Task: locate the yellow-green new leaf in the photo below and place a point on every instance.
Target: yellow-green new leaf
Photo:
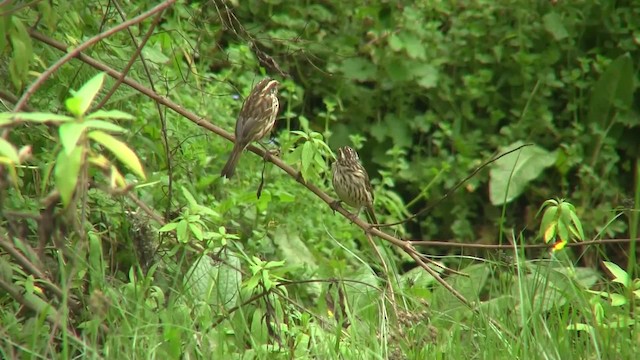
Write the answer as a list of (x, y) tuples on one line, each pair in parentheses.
[(66, 173), (110, 114), (120, 150), (104, 125), (69, 135), (82, 99), (7, 149)]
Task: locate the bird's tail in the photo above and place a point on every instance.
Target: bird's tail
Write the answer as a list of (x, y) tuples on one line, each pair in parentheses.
[(371, 215), (230, 167)]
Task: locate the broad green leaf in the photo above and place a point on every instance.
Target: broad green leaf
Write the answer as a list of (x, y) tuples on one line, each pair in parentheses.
[(181, 231), (229, 281), (82, 99), (516, 170), (8, 150), (613, 90), (69, 135), (426, 75), (66, 173), (120, 150), (110, 114), (619, 275), (201, 278), (294, 249), (553, 24), (358, 68), (104, 125), (414, 46)]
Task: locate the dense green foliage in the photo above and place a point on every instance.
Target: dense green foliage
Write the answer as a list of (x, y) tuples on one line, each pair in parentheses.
[(113, 212)]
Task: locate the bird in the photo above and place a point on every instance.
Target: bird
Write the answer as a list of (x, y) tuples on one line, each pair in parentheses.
[(351, 182), (256, 119)]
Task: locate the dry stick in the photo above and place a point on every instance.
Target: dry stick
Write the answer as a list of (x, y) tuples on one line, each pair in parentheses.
[(510, 247), (76, 51), (255, 149)]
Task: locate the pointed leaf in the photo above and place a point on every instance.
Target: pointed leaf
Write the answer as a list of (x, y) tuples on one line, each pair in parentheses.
[(120, 150), (82, 99), (69, 135), (619, 275), (104, 125), (110, 114), (548, 220)]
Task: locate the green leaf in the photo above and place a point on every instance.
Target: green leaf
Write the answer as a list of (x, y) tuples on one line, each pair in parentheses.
[(229, 281), (619, 275), (187, 195), (414, 46), (395, 43), (553, 24), (168, 227), (516, 170), (66, 173), (196, 231), (613, 90), (617, 299), (110, 114), (426, 75), (82, 99), (200, 279), (181, 231), (103, 125), (69, 135), (577, 226), (306, 157), (9, 151), (294, 249), (548, 220), (358, 69), (34, 117), (120, 150), (155, 54)]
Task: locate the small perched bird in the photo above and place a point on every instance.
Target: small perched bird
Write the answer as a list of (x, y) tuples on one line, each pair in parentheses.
[(351, 182), (256, 119)]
